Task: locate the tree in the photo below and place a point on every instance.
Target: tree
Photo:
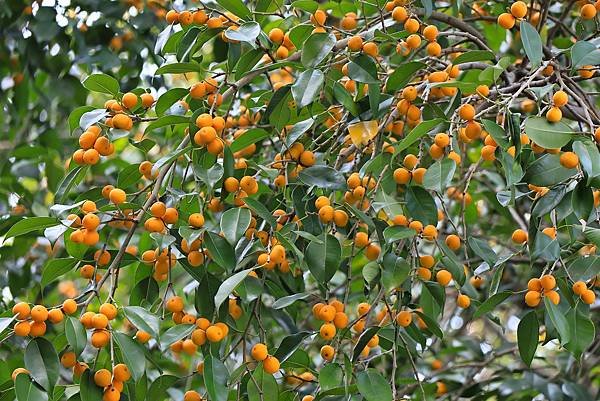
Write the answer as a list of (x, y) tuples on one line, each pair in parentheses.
[(300, 201)]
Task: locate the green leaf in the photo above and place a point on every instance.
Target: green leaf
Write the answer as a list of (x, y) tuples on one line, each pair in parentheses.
[(91, 117), (215, 378), (247, 61), (395, 270), (234, 223), (584, 268), (497, 132), (316, 48), (41, 360), (129, 176), (345, 98), (102, 83), (559, 321), (297, 130), (528, 337), (160, 385), (323, 258), (76, 114), (363, 69), (262, 212), (546, 134), (331, 376), (165, 121), (290, 344), (220, 250), (5, 323), (76, 335), (188, 44), (249, 137), (310, 6), (323, 177), (420, 205), (170, 157), (584, 53), (439, 174), (403, 75), (307, 87), (178, 68), (397, 233), (87, 387), (415, 134), (483, 250), (582, 332), (26, 390), (546, 248), (263, 388), (73, 178), (175, 333), (30, 224), (532, 43), (143, 319), (238, 8), (489, 304), (474, 55), (288, 300), (370, 272), (246, 32), (373, 386), (547, 171), (167, 99), (55, 268), (132, 354), (432, 325), (363, 340), (589, 158), (229, 285)]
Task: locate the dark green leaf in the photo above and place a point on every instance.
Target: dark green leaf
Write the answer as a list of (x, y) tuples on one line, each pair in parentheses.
[(31, 224), (102, 83), (489, 304), (41, 360), (316, 48), (215, 378), (532, 43), (76, 335), (373, 386), (528, 337)]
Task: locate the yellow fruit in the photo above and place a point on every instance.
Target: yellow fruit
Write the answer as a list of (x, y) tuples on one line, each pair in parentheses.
[(569, 160), (554, 115), (404, 318), (533, 298), (453, 242), (327, 331), (518, 9), (548, 282), (463, 301), (327, 352), (506, 20), (271, 365), (102, 378), (443, 277), (560, 98), (588, 297), (588, 11), (519, 236), (121, 372), (260, 352)]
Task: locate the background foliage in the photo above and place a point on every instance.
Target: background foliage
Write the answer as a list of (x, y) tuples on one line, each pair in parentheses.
[(336, 144)]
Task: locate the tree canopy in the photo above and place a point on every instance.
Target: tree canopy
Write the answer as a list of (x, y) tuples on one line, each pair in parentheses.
[(299, 201)]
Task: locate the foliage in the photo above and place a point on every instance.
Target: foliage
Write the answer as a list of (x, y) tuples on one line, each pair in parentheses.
[(299, 200)]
